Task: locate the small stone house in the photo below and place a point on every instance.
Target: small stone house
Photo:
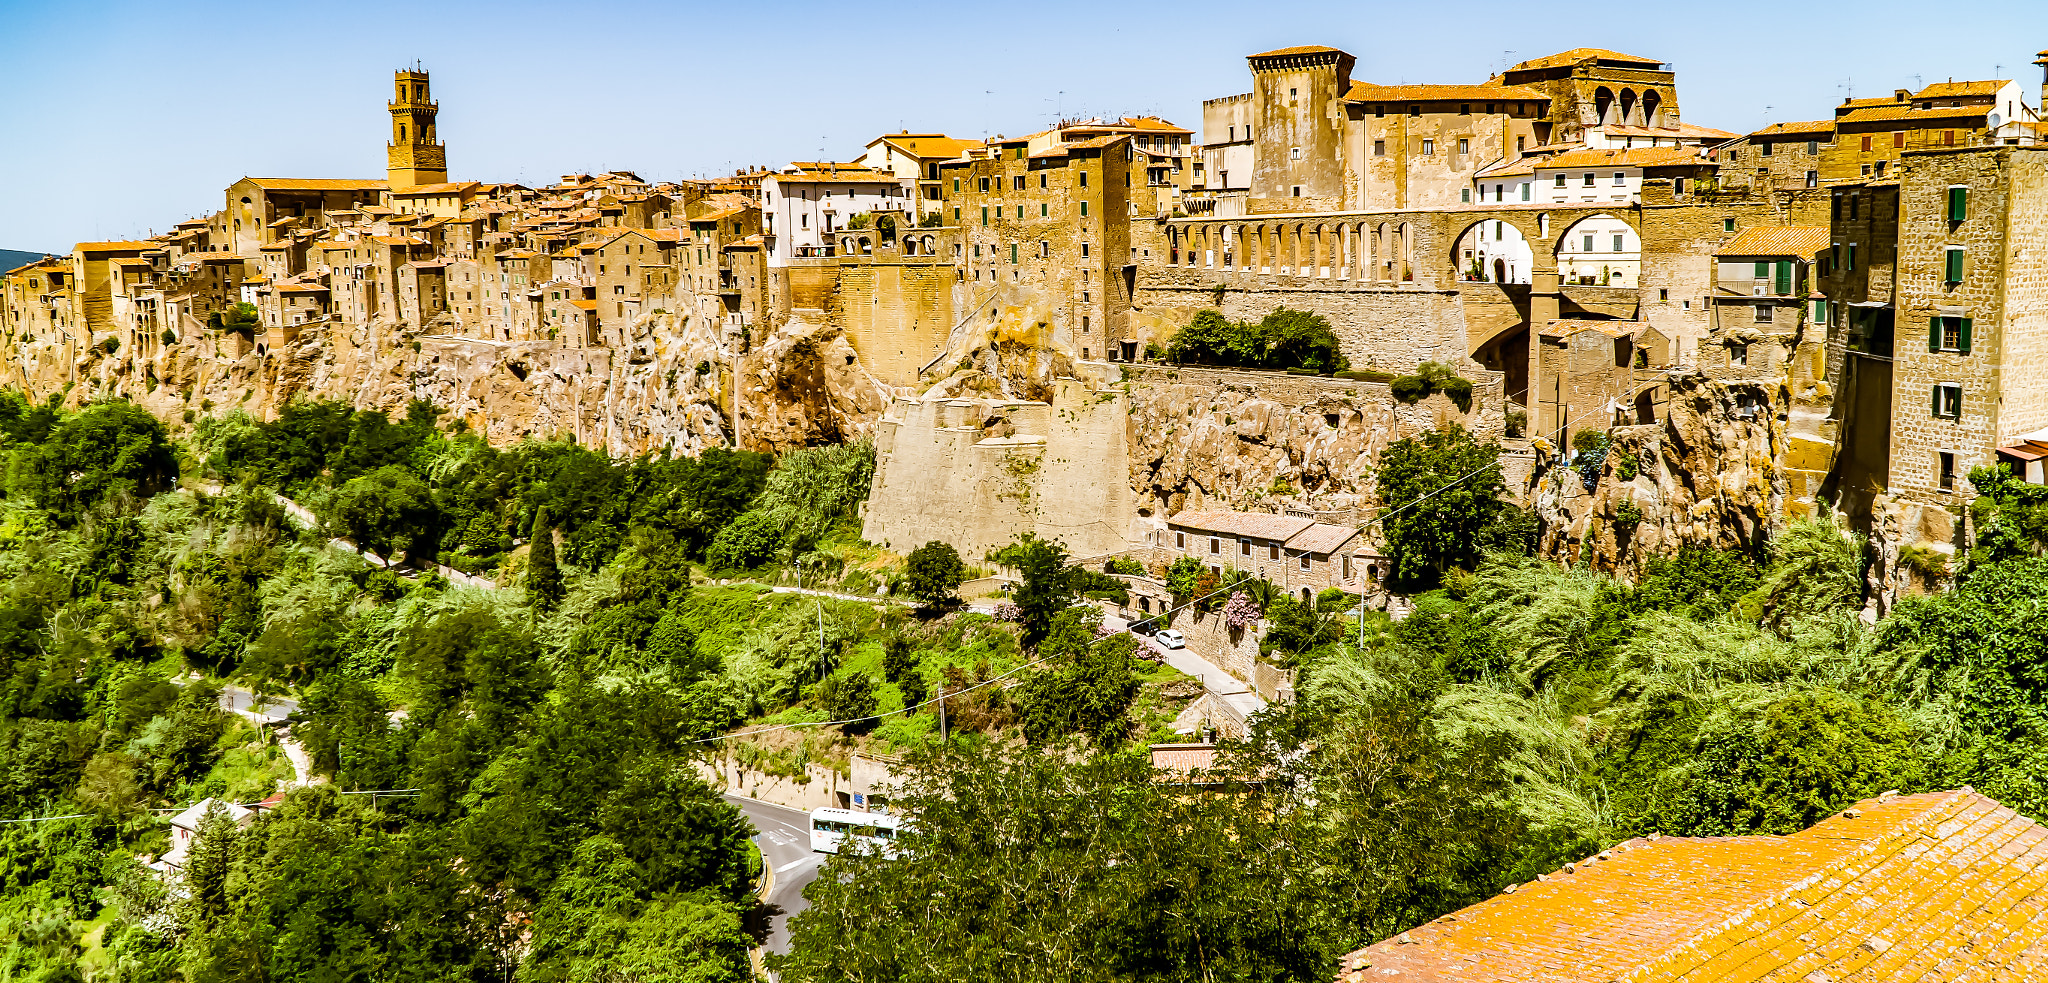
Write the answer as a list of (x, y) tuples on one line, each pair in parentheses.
[(1295, 552)]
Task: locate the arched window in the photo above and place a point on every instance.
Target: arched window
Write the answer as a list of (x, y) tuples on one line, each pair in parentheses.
[(1628, 106), (1651, 103), (1603, 99)]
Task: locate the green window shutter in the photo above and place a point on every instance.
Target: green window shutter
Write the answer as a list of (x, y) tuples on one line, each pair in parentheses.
[(1013, 252), (1964, 344), (1934, 334), (1954, 266), (1852, 256), (1784, 277), (1084, 209), (1763, 269), (984, 214), (1937, 402), (1958, 204)]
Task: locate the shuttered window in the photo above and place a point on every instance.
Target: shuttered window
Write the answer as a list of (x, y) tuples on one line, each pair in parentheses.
[(1952, 269), (1784, 284), (1948, 401), (1949, 334), (1958, 203)]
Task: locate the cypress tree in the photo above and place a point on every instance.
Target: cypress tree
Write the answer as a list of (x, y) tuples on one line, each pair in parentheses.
[(543, 578)]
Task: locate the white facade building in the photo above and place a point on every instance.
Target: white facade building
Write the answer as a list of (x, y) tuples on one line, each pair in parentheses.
[(801, 210)]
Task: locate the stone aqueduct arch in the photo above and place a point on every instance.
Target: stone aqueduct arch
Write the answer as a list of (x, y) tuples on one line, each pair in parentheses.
[(1395, 247)]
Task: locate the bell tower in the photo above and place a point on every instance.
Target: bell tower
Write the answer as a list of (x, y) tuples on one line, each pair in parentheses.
[(415, 155)]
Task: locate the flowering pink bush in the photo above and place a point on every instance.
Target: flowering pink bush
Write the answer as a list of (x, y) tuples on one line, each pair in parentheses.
[(1241, 611), (1009, 611)]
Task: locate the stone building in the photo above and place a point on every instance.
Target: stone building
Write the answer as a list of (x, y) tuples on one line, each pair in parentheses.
[(1296, 553), (1781, 156), (416, 156), (1045, 243)]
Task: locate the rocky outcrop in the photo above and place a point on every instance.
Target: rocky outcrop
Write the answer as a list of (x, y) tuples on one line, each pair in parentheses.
[(1708, 475), (675, 388), (1215, 438)]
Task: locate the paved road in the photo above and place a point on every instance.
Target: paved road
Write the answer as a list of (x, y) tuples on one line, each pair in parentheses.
[(275, 709), (784, 835), (1228, 688)]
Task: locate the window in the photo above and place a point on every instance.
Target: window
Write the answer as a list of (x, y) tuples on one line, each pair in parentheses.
[(1663, 294), (1727, 225), (1620, 179), (1429, 148), (1464, 109), (1215, 545), (1849, 258), (1180, 540), (1738, 355), (1899, 139), (1813, 179), (1617, 242), (1084, 209), (1042, 213), (1041, 179), (1949, 334), (1379, 148), (1294, 153), (1560, 180), (1304, 561), (1017, 183), (1244, 547), (1678, 185), (1763, 313), (1272, 551), (1290, 93), (1948, 138), (1948, 400), (984, 187), (1952, 268), (1525, 191), (1518, 144), (1820, 312), (1854, 199), (1465, 196), (1084, 252), (1414, 110), (1958, 202), (1379, 109), (1297, 191), (1589, 243), (956, 185), (1764, 148), (1464, 147), (984, 214), (1013, 253), (1589, 179), (1866, 145), (1945, 464), (1084, 183)]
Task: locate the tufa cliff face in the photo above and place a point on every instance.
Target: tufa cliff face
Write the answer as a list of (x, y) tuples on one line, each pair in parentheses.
[(1708, 475), (1215, 438), (673, 388)]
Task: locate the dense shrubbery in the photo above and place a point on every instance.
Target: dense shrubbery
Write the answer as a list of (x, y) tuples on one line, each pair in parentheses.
[(1284, 339)]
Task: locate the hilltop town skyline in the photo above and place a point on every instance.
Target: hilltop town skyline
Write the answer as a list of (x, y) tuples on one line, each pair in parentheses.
[(683, 112)]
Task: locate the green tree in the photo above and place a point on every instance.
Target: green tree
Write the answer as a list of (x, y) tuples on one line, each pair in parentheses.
[(933, 572), (1438, 492), (385, 511), (1047, 587), (751, 540), (102, 450), (543, 578), (1089, 687)]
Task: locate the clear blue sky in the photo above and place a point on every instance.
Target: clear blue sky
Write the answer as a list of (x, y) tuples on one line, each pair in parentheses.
[(120, 118)]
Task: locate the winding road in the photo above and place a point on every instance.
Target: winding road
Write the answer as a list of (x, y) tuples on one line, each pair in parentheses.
[(784, 835)]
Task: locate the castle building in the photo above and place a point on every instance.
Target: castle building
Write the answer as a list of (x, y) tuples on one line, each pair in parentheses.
[(415, 155)]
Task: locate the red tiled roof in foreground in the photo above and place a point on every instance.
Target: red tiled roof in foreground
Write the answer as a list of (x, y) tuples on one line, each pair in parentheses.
[(1939, 886)]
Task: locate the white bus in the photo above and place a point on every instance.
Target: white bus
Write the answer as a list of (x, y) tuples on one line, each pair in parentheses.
[(831, 828)]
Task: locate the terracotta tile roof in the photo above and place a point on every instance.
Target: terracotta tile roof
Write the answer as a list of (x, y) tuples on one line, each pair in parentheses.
[(1944, 885), (316, 184), (1513, 168), (450, 188), (1627, 157), (1179, 761), (1898, 111), (588, 305), (1305, 49), (1565, 327), (190, 222), (396, 241), (1956, 90), (926, 145), (113, 247), (1247, 525), (1777, 240), (1577, 55), (1891, 100), (1369, 92), (1321, 538), (1806, 129), (302, 288), (1680, 130)]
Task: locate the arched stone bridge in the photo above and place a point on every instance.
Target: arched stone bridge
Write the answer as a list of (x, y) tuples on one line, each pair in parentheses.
[(1392, 246)]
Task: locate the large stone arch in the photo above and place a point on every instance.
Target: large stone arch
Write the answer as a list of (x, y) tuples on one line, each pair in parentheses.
[(1628, 107), (1603, 100), (1653, 104), (1585, 251)]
